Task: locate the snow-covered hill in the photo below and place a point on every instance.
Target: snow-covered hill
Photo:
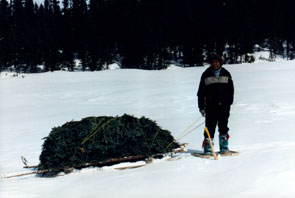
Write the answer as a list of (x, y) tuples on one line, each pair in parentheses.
[(261, 128)]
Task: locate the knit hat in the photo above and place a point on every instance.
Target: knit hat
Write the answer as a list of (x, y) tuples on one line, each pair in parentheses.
[(216, 57)]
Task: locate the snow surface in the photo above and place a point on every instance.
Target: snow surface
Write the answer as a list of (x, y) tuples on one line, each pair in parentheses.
[(261, 128)]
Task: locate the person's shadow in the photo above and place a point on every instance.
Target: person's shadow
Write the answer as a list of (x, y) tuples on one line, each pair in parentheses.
[(194, 151)]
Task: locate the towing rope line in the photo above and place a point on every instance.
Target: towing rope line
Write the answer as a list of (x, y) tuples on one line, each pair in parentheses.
[(188, 127), (190, 131), (185, 132)]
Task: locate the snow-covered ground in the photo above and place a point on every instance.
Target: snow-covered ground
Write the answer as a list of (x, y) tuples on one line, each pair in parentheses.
[(261, 128)]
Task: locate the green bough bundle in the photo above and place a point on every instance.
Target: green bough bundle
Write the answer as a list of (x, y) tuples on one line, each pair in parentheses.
[(104, 140)]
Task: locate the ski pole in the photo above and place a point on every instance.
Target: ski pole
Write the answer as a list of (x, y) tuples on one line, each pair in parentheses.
[(211, 145)]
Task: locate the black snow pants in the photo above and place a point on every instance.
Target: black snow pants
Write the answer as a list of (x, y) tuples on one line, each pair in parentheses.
[(217, 115)]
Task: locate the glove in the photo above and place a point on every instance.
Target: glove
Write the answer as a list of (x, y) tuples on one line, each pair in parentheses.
[(203, 112)]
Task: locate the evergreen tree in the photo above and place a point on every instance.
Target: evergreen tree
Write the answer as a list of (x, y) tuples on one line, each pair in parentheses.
[(50, 35), (144, 34), (4, 35), (17, 35), (66, 40), (79, 19), (30, 51)]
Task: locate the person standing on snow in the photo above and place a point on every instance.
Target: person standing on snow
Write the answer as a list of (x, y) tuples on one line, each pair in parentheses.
[(215, 96)]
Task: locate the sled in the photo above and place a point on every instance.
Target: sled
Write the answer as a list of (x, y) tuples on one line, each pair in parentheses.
[(170, 156)]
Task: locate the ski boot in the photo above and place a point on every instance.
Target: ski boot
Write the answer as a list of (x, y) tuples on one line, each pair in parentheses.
[(223, 143), (206, 146)]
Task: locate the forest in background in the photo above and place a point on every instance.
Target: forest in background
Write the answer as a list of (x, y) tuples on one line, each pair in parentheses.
[(144, 34)]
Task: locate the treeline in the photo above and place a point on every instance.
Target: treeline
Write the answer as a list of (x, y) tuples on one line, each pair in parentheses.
[(145, 34)]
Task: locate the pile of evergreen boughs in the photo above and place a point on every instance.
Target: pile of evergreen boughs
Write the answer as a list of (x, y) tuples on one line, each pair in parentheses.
[(95, 139)]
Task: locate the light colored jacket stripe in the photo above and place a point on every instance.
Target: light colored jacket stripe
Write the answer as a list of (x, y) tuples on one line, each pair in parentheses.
[(218, 79)]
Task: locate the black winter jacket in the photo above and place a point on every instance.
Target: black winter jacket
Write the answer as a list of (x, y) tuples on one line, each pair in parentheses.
[(215, 90)]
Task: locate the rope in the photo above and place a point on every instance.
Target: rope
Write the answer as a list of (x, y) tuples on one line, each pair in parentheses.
[(156, 135), (146, 142), (95, 131), (191, 131), (188, 127), (182, 135)]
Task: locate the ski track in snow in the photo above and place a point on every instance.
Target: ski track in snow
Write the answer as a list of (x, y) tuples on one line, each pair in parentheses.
[(261, 128)]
